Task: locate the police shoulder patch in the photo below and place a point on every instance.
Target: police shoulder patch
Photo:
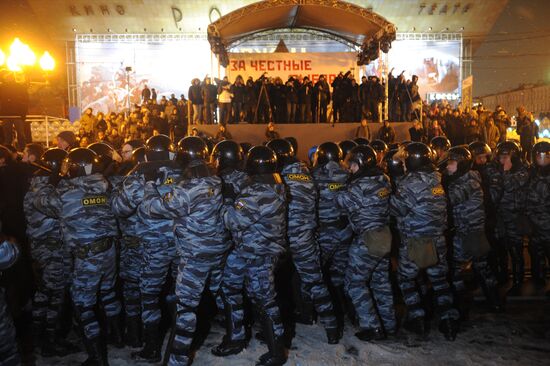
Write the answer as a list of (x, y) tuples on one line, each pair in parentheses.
[(438, 191), (167, 197), (383, 193), (299, 177), (239, 205), (94, 201), (210, 192), (168, 180), (335, 186)]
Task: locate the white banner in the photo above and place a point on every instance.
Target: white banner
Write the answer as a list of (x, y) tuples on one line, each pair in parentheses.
[(285, 65)]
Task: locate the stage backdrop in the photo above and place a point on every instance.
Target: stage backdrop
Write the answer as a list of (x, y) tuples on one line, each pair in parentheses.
[(285, 65), (168, 66), (436, 63)]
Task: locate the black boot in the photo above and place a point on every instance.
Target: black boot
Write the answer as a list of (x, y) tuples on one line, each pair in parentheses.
[(518, 270), (228, 346), (306, 315), (334, 335), (151, 349), (276, 356), (114, 326), (449, 328), (304, 312), (368, 335), (132, 337), (418, 327), (52, 346), (494, 300), (96, 353), (346, 304)]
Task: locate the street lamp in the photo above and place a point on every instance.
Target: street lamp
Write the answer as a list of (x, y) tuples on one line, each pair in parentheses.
[(47, 63), (21, 56)]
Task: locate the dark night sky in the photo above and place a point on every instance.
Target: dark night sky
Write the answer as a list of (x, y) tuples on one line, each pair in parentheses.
[(516, 50)]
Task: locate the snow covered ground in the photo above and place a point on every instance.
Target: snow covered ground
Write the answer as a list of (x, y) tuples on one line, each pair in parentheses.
[(514, 338)]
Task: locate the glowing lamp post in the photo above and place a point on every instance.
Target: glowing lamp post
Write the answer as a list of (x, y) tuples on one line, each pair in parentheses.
[(47, 63), (21, 57)]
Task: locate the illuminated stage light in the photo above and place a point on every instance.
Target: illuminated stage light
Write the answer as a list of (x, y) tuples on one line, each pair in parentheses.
[(47, 63)]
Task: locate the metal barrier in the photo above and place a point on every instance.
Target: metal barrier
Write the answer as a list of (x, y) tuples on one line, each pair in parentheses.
[(45, 128)]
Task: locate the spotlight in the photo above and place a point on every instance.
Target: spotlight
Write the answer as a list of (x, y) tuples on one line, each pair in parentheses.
[(109, 30), (461, 28), (74, 30), (430, 28), (145, 29), (91, 30), (413, 29)]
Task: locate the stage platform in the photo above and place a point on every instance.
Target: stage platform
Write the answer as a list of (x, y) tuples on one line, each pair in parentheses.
[(307, 134)]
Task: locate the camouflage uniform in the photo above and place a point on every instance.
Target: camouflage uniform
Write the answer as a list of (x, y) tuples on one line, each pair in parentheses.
[(465, 197), (538, 210), (89, 228), (367, 281), (48, 255), (131, 251), (194, 205), (257, 221), (507, 190), (235, 179), (156, 233), (301, 227), (8, 347), (421, 210), (334, 234)]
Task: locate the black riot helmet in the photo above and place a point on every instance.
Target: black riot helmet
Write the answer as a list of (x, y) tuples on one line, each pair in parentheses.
[(394, 167), (53, 158), (246, 147), (346, 146), (418, 156), (379, 146), (463, 157), (283, 149), (192, 148), (361, 141), (440, 144), (105, 153), (541, 155), (80, 162), (364, 156), (159, 147), (138, 155), (328, 151), (261, 160), (227, 154), (479, 148), (294, 143), (509, 148)]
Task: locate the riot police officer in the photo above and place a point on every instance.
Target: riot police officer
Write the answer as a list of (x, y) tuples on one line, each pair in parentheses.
[(421, 210), (366, 202), (50, 259), (227, 158), (257, 221), (538, 204), (82, 204), (194, 205), (508, 177), (302, 222), (156, 234), (334, 233), (469, 242)]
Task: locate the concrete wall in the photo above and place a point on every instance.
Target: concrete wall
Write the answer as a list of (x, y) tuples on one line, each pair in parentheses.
[(307, 134)]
